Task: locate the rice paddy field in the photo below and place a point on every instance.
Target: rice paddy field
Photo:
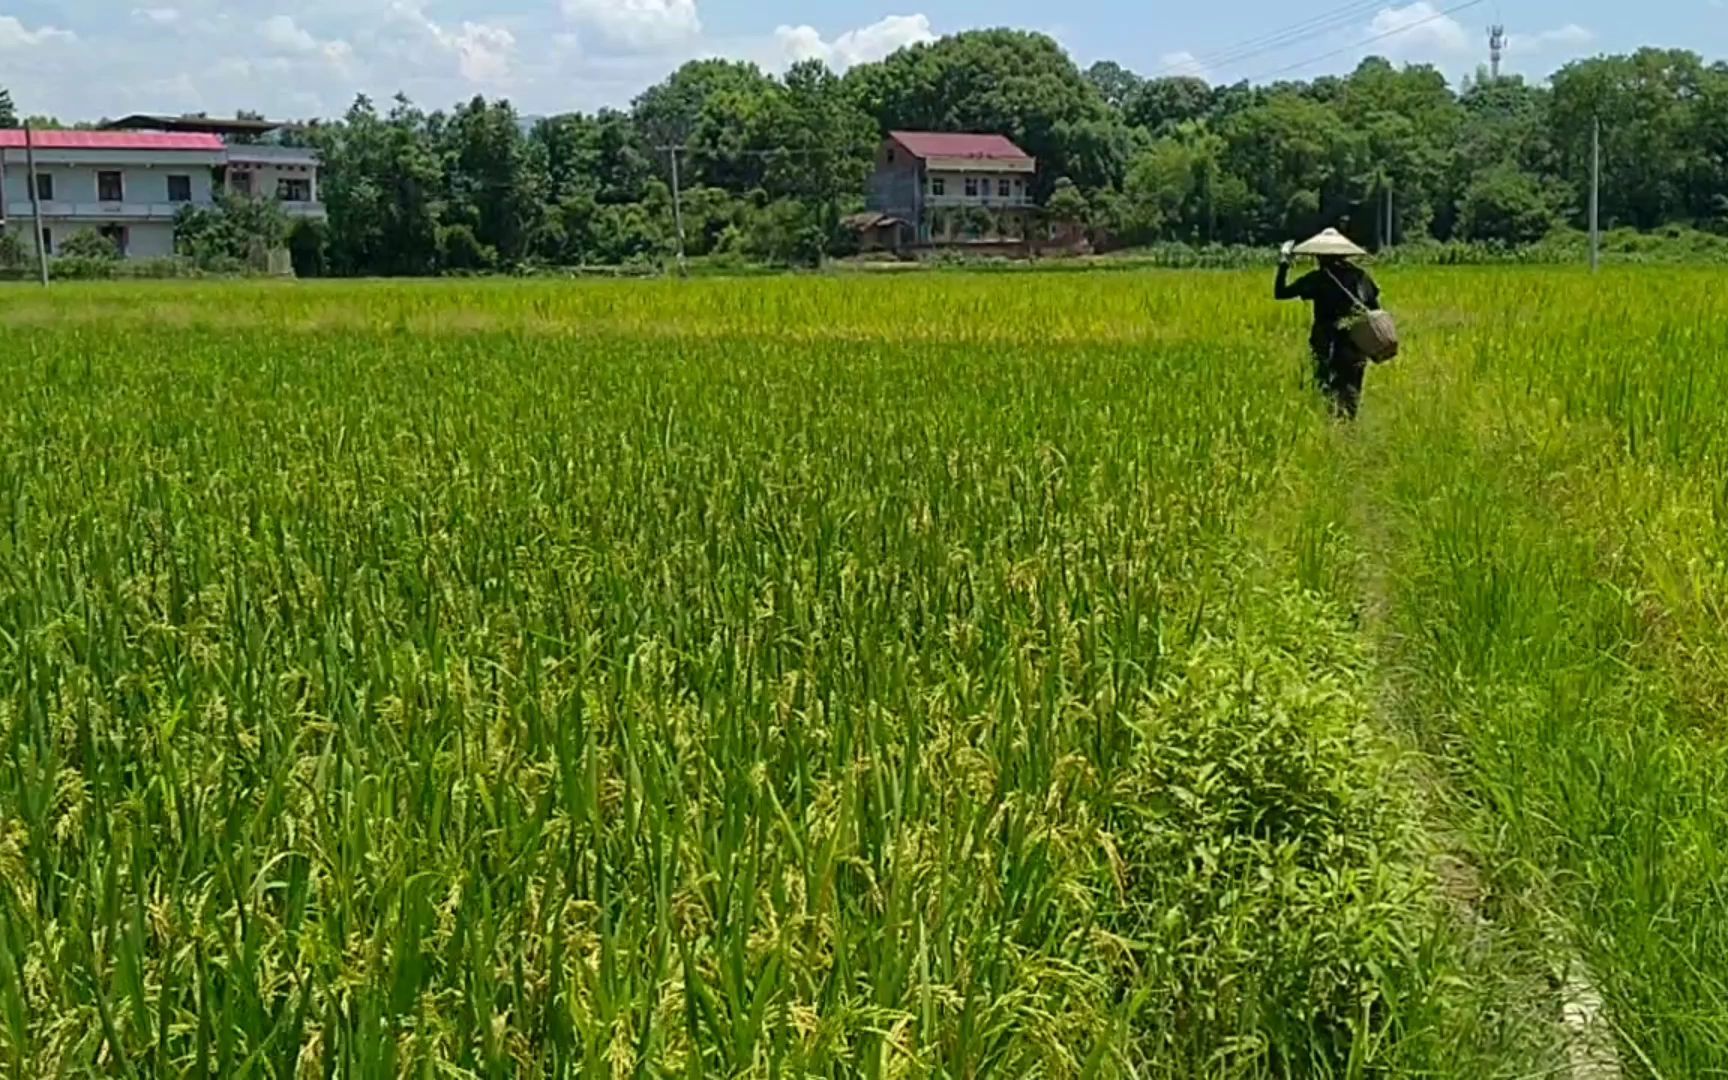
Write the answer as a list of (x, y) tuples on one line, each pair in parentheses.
[(945, 676)]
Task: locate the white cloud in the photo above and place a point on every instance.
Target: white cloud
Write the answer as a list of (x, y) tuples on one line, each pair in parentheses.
[(1183, 62), (15, 35), (483, 52), (285, 35), (159, 16), (1570, 36), (864, 45), (1419, 31), (637, 25), (282, 32)]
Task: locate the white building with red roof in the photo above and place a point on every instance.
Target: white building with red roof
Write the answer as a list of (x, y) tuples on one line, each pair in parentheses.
[(932, 189), (130, 185)]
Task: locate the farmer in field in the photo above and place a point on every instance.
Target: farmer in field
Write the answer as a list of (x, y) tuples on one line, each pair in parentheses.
[(1339, 290)]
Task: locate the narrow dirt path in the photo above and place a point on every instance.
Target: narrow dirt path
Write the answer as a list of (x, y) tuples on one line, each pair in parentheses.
[(1585, 1044)]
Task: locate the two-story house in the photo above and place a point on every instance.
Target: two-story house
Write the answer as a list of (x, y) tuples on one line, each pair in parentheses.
[(130, 185), (125, 185), (256, 163), (932, 189)]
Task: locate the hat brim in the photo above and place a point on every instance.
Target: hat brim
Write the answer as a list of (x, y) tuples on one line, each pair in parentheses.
[(1328, 245)]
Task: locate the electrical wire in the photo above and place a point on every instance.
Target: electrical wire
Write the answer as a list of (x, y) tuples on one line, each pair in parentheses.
[(1283, 38), (1405, 29)]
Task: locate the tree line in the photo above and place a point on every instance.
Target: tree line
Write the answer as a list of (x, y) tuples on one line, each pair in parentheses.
[(769, 165)]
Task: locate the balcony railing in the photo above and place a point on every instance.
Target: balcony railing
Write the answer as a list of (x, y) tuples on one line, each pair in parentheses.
[(991, 201), (20, 210), (263, 154), (100, 211)]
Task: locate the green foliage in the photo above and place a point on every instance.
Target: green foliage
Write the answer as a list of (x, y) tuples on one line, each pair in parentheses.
[(785, 232), (460, 250), (1506, 205), (1164, 160), (8, 111), (307, 245), (1066, 203), (13, 252), (88, 244), (234, 232)]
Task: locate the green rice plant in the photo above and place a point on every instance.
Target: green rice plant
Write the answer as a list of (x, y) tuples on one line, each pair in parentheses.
[(1010, 675)]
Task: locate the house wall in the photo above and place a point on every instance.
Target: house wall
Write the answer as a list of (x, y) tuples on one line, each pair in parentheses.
[(896, 188), (267, 178), (144, 208), (144, 240), (989, 189), (76, 184)]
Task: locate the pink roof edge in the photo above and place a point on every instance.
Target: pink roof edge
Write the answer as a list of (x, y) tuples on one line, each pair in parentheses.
[(13, 139), (932, 144)]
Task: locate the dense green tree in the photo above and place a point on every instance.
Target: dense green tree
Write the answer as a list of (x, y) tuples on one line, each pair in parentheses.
[(382, 188), (235, 231), (1301, 164), (1115, 84), (671, 112), (1660, 111), (1506, 204), (8, 112), (495, 178), (770, 163), (1160, 105)]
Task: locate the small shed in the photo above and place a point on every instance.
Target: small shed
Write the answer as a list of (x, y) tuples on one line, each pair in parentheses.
[(878, 231)]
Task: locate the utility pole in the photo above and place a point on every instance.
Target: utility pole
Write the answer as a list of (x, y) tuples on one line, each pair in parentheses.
[(1496, 48), (677, 208), (36, 205), (1595, 194), (1391, 224)]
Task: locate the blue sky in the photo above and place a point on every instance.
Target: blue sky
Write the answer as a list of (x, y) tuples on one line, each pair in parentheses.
[(85, 58)]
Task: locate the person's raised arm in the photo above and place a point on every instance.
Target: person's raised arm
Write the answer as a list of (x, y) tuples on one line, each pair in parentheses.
[(1282, 289)]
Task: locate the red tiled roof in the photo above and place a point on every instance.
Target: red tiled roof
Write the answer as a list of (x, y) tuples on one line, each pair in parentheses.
[(13, 138), (929, 144)]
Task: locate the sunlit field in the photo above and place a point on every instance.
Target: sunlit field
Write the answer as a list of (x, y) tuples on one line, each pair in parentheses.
[(1008, 675)]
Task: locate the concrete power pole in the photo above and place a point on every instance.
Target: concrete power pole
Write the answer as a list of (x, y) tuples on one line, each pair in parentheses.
[(1595, 194), (35, 205), (677, 208), (1496, 49)]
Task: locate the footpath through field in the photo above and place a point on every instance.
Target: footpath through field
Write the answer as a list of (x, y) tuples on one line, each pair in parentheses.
[(1535, 579)]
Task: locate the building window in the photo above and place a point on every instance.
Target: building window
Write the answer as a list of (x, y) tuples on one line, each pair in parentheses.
[(48, 241), (971, 187), (45, 186), (108, 186), (938, 186), (294, 190), (240, 181), (179, 189), (1003, 188)]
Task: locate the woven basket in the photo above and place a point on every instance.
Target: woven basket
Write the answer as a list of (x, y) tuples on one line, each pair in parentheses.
[(1374, 334)]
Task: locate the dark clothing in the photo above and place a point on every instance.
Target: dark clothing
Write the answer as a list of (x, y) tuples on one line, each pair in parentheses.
[(1338, 366)]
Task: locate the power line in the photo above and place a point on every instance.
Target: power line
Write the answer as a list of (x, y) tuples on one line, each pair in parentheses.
[(1284, 38), (1405, 29)]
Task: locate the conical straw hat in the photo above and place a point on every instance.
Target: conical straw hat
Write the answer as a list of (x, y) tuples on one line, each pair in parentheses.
[(1328, 242)]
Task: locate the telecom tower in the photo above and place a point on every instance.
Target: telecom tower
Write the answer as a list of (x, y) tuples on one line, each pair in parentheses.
[(1496, 48)]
